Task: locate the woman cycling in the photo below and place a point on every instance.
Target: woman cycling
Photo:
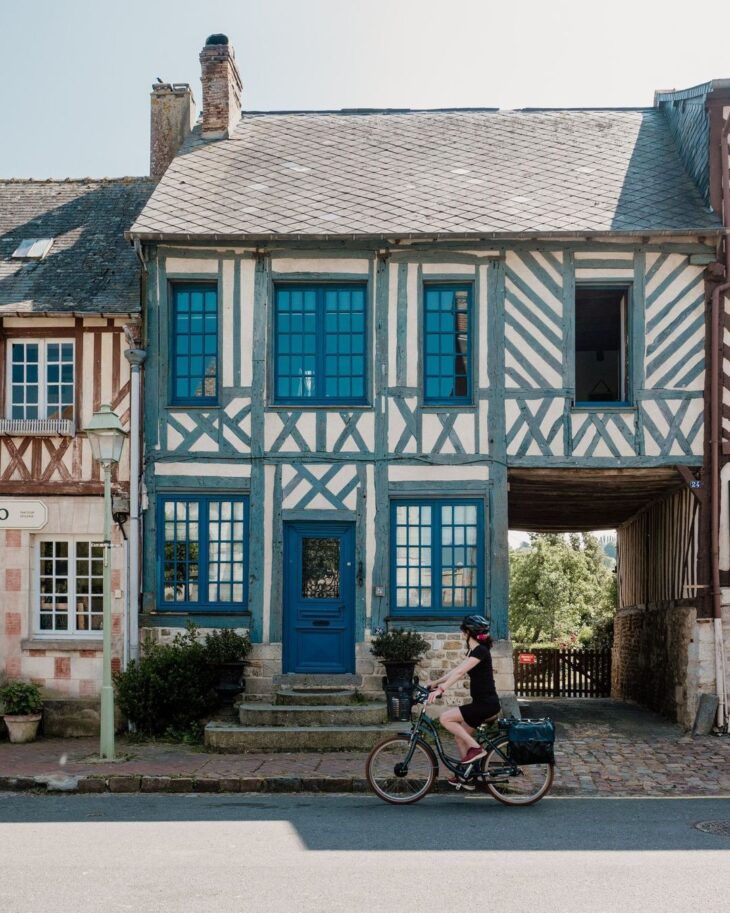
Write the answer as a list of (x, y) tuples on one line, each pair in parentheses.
[(484, 707)]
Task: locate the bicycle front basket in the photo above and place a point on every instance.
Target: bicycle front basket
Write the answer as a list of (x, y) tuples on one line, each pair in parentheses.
[(531, 741)]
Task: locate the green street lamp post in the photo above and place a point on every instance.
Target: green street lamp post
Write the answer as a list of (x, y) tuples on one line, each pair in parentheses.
[(106, 437)]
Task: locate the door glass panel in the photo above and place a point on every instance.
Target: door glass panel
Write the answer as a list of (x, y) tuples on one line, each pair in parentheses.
[(320, 568)]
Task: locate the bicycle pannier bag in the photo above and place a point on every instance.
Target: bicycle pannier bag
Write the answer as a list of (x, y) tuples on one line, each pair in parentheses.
[(531, 741)]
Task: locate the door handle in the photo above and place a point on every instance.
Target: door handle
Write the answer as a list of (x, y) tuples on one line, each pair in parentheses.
[(320, 623)]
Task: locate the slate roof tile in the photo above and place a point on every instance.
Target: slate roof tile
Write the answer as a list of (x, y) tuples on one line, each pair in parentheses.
[(429, 172), (90, 267)]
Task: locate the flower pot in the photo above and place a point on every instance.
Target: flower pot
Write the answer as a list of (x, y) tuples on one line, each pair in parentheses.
[(230, 681), (399, 673), (22, 728)]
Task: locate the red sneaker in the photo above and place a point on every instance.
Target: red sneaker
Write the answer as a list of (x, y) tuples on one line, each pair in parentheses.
[(473, 755)]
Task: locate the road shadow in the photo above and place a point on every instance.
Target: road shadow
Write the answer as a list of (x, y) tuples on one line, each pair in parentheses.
[(449, 823)]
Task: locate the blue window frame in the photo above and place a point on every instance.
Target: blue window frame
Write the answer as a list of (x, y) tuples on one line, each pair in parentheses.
[(194, 344), (203, 552), (320, 344), (602, 330), (437, 557), (447, 341)]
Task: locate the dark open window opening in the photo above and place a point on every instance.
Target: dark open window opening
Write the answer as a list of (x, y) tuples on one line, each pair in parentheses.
[(601, 345)]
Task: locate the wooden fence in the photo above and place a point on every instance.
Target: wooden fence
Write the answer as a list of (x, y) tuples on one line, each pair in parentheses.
[(553, 672)]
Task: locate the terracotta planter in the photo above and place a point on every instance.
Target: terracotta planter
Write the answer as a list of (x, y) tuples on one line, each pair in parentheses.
[(22, 728)]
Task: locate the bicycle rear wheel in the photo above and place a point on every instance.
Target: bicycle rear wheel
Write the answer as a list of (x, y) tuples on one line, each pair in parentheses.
[(525, 787), (394, 783)]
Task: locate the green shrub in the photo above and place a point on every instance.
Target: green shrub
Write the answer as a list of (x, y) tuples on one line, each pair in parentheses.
[(20, 699), (398, 645), (170, 688), (226, 646)]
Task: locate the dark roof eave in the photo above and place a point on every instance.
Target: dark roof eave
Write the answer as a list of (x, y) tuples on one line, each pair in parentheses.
[(421, 236)]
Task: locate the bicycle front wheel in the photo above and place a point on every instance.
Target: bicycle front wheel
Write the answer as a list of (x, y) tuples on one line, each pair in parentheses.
[(390, 779), (521, 786)]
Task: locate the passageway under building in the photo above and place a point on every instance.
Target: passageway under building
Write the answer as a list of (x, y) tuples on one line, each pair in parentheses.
[(663, 617)]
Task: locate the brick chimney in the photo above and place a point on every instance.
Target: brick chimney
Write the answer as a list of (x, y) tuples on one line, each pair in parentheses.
[(172, 115), (221, 88)]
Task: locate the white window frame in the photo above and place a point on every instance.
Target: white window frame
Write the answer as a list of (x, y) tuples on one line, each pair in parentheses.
[(72, 633), (42, 343)]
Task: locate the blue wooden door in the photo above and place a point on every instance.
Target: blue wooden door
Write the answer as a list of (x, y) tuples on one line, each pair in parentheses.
[(319, 597)]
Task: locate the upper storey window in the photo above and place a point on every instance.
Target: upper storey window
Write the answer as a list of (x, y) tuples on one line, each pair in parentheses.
[(41, 379), (447, 340), (320, 344), (601, 345), (195, 344)]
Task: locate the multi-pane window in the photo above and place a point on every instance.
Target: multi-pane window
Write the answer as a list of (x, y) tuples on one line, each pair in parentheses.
[(70, 587), (447, 343), (41, 379), (320, 344), (195, 343), (601, 345), (203, 551), (437, 560)]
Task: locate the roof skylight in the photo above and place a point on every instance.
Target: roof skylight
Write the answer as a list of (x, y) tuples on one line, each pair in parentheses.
[(32, 249)]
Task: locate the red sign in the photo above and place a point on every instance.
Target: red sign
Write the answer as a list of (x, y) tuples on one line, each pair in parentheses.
[(526, 659)]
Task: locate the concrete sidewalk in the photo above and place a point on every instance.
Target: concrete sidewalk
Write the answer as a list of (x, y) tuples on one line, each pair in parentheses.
[(603, 748)]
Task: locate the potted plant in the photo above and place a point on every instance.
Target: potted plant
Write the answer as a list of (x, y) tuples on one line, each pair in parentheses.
[(399, 651), (22, 706), (227, 651)]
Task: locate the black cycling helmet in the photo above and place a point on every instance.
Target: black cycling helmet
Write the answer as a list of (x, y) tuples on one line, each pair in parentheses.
[(475, 626)]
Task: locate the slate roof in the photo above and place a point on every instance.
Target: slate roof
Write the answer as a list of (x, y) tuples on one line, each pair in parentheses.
[(462, 172), (91, 267)]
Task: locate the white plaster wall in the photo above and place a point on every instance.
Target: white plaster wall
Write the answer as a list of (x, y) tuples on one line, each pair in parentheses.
[(29, 655)]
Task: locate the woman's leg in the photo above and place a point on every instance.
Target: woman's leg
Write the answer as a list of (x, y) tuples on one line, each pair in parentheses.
[(453, 722)]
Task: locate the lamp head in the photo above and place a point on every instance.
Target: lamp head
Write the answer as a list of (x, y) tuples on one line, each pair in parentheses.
[(106, 435)]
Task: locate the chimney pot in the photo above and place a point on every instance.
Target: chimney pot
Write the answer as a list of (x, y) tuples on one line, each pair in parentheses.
[(221, 88), (172, 115)]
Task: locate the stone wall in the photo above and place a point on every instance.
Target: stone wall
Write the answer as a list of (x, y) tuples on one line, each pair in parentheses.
[(447, 651), (663, 657)]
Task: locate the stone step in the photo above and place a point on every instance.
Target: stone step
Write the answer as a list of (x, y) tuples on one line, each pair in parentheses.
[(313, 697), (307, 715), (227, 737), (311, 681)]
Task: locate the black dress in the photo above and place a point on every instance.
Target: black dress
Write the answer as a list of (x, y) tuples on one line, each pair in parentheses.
[(484, 701)]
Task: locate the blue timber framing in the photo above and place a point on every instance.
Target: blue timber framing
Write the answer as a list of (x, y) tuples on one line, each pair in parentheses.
[(297, 462)]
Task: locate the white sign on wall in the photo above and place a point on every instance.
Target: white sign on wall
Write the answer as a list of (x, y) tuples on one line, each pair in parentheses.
[(16, 513)]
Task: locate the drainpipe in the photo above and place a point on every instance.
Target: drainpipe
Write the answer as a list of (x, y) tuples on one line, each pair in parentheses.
[(716, 433), (136, 358)]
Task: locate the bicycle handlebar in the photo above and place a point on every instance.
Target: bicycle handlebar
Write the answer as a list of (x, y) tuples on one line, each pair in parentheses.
[(420, 693)]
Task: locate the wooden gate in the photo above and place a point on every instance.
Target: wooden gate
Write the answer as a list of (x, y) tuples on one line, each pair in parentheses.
[(553, 672)]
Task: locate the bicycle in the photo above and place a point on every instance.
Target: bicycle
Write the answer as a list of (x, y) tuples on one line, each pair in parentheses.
[(403, 768)]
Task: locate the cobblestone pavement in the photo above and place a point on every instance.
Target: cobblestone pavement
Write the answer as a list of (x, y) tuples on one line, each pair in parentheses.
[(603, 748)]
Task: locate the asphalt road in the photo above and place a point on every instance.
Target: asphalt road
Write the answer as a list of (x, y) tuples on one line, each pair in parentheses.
[(325, 854)]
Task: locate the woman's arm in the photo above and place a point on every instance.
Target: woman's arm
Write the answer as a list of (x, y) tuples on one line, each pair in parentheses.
[(459, 672)]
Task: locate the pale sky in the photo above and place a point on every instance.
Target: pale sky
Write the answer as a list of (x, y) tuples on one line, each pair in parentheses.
[(75, 75)]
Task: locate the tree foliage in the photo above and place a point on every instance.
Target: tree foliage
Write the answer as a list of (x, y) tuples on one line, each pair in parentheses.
[(561, 592)]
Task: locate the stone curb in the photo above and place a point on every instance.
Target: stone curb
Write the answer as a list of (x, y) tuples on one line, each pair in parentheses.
[(146, 783)]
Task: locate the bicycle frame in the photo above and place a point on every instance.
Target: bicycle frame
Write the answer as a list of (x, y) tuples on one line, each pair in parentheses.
[(423, 725)]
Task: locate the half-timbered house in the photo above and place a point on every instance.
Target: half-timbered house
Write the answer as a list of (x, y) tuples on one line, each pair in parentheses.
[(376, 339), (69, 285)]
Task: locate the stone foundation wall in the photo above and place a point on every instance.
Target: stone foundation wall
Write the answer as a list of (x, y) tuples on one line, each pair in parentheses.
[(663, 657), (447, 651)]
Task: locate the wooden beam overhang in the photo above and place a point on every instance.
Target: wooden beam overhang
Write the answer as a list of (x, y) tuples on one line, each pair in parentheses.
[(580, 500)]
